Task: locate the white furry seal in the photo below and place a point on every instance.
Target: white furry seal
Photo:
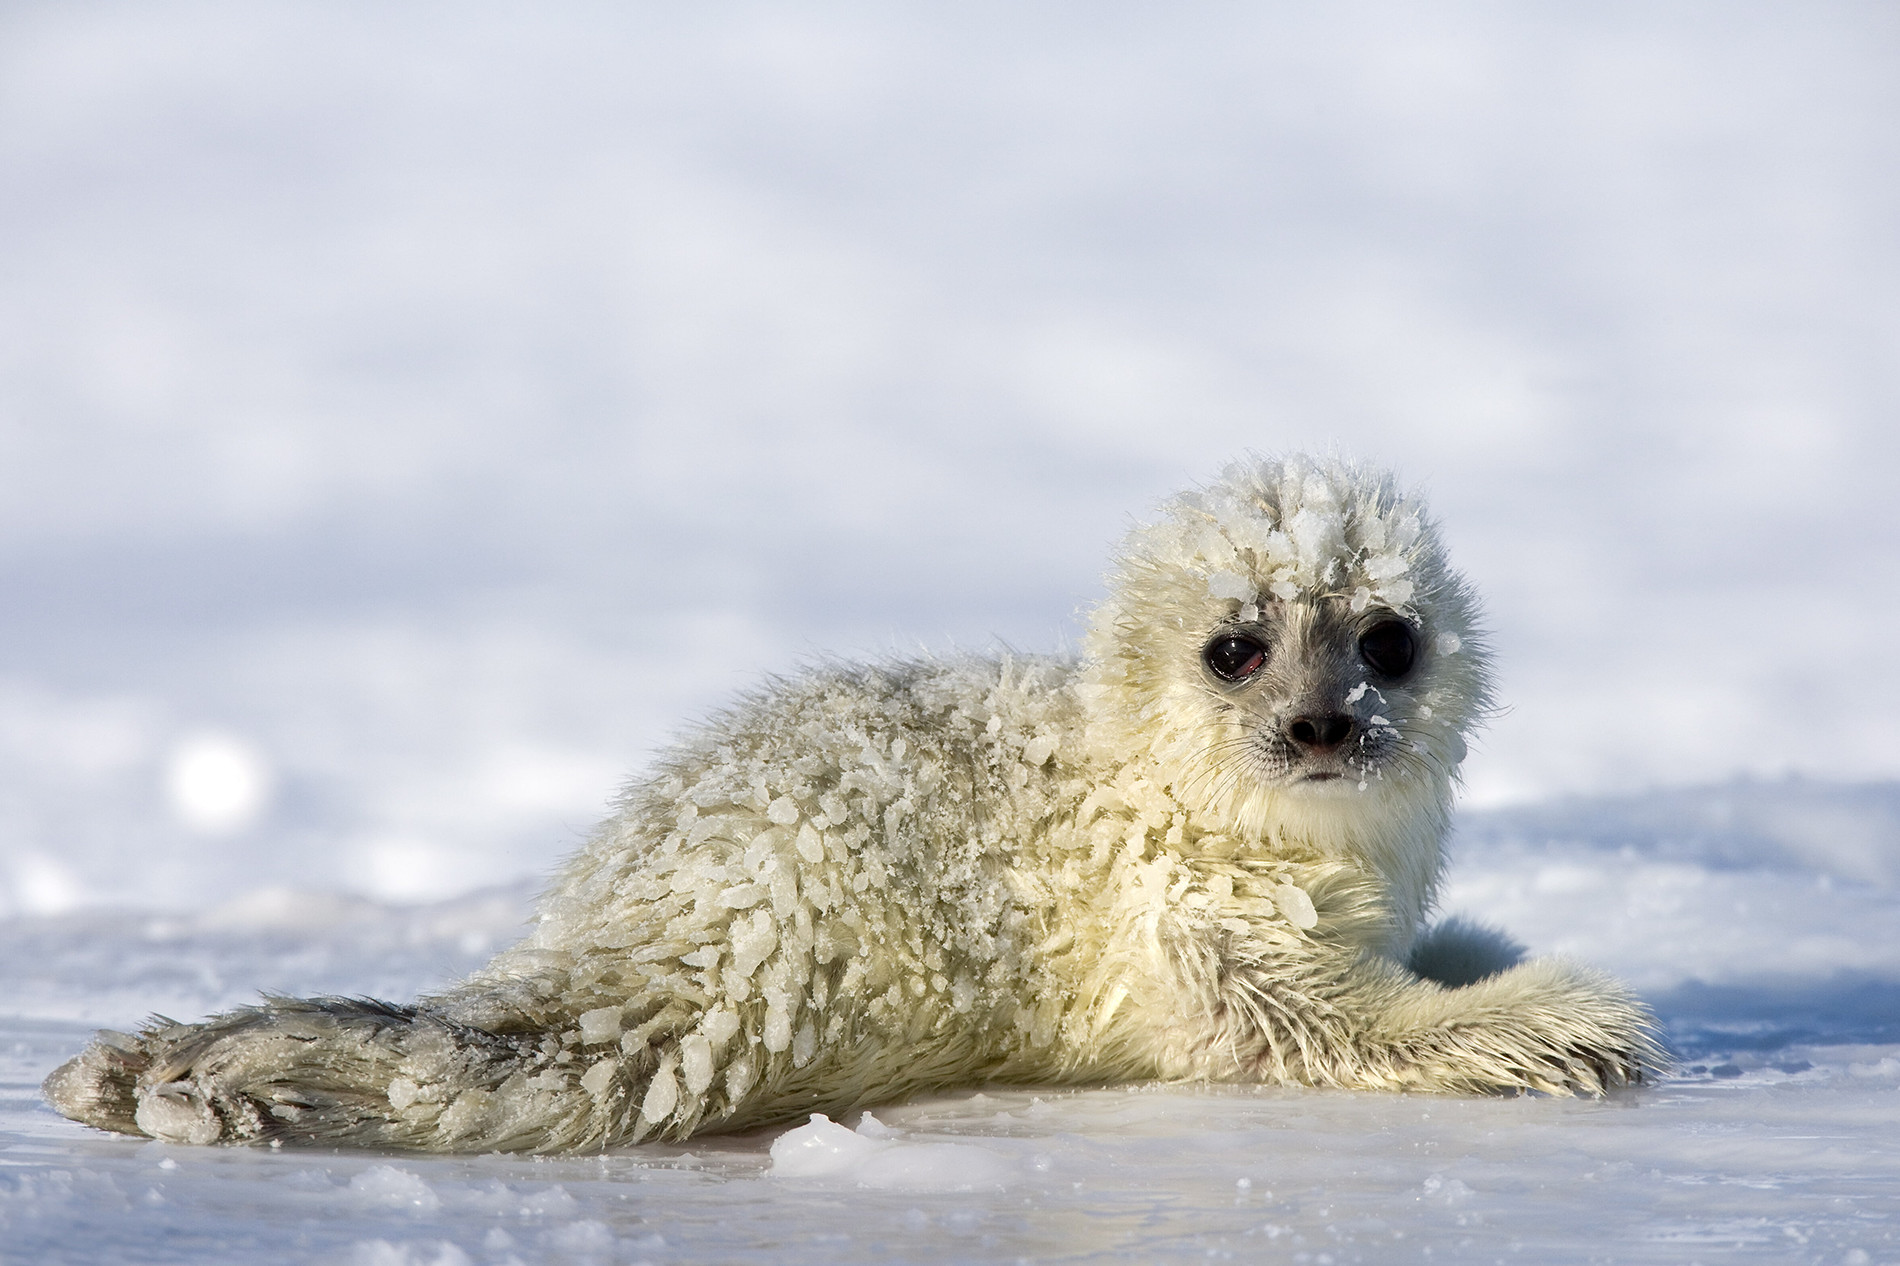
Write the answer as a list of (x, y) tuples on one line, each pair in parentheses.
[(1203, 851)]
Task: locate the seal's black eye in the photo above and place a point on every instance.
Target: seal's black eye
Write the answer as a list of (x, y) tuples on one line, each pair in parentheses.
[(1390, 648), (1233, 657)]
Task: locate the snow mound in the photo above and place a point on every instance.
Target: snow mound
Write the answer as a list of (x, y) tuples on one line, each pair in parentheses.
[(871, 1156)]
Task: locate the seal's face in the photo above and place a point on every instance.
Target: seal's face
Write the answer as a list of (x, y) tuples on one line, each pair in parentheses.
[(1316, 697), (1290, 649)]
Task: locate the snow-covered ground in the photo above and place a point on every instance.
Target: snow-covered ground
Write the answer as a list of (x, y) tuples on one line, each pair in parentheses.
[(1759, 919)]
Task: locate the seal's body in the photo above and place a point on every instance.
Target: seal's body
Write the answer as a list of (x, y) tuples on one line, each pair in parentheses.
[(1203, 850)]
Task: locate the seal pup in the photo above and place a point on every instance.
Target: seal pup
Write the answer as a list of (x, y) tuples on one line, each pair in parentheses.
[(1205, 849)]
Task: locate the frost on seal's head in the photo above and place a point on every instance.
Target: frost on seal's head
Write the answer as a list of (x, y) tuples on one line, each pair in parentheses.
[(1291, 651)]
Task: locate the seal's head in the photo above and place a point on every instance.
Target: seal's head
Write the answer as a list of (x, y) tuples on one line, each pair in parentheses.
[(1290, 648)]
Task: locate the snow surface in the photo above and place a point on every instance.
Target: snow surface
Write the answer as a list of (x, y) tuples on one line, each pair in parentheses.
[(1759, 918)]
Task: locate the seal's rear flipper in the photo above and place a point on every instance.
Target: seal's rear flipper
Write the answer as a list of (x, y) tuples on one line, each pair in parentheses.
[(99, 1086)]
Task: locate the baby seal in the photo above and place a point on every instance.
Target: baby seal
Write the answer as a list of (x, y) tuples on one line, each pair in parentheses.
[(1204, 850)]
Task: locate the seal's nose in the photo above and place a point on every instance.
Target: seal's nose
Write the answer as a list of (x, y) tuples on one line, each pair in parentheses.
[(1320, 733)]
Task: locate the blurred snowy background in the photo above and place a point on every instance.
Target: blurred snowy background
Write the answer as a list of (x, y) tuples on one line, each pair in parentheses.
[(411, 414)]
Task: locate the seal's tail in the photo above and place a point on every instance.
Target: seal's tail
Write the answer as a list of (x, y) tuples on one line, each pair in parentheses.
[(328, 1071)]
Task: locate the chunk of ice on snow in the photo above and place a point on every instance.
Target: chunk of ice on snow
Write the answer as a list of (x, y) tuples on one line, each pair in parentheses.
[(872, 1156), (388, 1187), (384, 1253), (821, 1148)]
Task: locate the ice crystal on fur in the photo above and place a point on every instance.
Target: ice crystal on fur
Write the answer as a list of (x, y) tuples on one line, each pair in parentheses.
[(874, 880)]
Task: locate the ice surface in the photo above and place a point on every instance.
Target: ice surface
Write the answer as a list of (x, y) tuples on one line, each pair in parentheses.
[(1777, 974)]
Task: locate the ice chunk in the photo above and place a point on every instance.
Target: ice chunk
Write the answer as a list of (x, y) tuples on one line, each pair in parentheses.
[(1318, 535), (1231, 585), (719, 1027), (1296, 905), (1386, 566), (821, 1148), (777, 1031), (744, 896), (872, 1156), (1442, 1190), (1397, 592), (753, 942), (587, 1238), (552, 1201), (599, 1079), (177, 1119), (662, 1095), (383, 1253), (600, 1025), (389, 1187)]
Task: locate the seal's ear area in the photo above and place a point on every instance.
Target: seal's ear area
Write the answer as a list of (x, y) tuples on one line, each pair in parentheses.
[(1459, 952)]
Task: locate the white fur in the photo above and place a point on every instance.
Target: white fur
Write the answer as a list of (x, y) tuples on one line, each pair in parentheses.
[(874, 880)]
